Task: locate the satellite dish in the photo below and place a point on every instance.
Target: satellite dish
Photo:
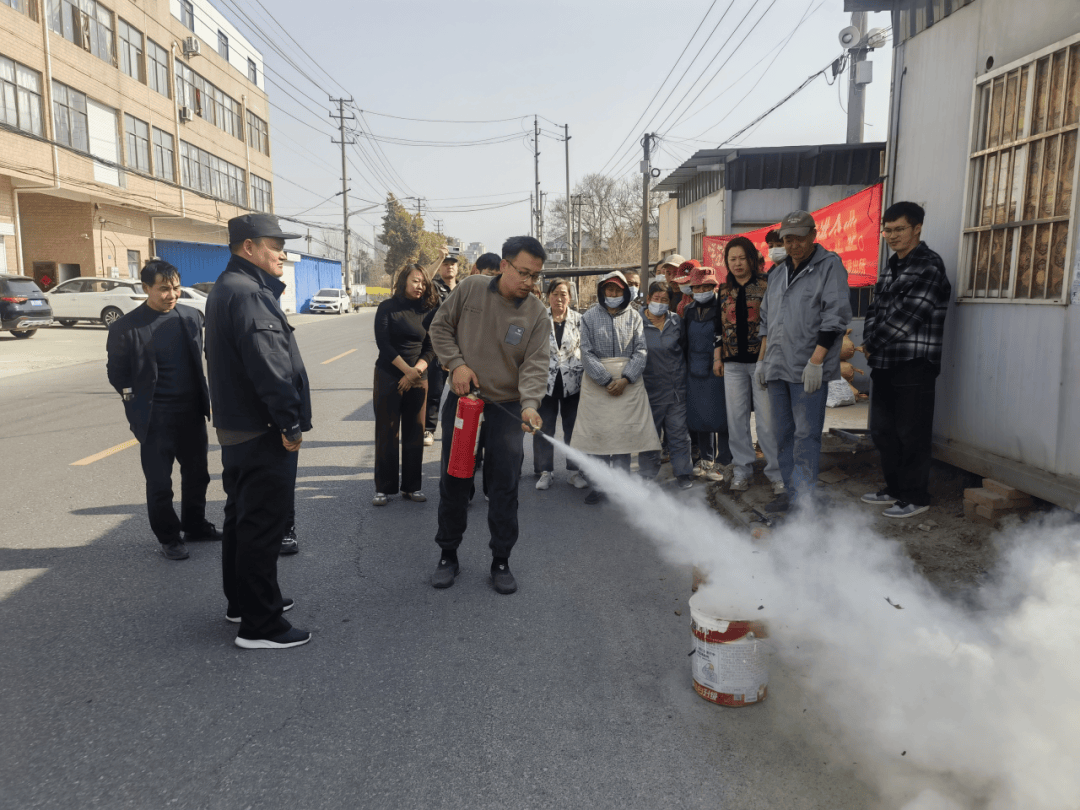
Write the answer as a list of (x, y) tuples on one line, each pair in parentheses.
[(850, 37)]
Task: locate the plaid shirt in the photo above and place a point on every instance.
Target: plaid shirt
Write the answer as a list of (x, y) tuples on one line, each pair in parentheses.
[(621, 335), (906, 320)]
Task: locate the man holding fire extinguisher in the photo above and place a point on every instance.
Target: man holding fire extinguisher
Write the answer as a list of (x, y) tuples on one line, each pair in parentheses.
[(492, 334)]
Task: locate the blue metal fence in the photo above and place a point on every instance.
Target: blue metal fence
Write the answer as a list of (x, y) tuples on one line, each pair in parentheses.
[(312, 275)]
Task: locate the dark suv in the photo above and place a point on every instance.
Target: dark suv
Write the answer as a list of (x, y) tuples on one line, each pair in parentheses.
[(23, 306)]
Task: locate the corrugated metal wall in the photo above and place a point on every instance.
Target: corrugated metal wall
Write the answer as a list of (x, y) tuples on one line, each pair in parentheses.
[(312, 275), (195, 261)]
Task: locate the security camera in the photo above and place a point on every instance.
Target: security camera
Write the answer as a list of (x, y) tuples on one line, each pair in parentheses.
[(850, 37)]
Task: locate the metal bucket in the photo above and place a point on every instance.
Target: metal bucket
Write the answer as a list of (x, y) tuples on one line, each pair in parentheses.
[(729, 665)]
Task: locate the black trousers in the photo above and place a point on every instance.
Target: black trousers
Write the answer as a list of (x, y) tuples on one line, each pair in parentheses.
[(399, 423), (503, 453), (259, 477), (436, 381), (543, 450), (902, 425), (175, 436)]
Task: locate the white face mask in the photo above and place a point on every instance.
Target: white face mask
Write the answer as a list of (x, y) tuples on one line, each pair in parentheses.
[(633, 292), (685, 288), (705, 297), (613, 303), (657, 309), (777, 254)]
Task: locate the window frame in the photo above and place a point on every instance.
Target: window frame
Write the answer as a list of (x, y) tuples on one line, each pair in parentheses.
[(137, 144), (223, 45), (258, 192), (187, 15), (163, 156), (23, 97), (69, 112), (973, 197), (152, 68), (124, 47), (253, 71)]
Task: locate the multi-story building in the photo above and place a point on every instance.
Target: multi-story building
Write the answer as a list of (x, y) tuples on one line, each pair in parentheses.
[(474, 251), (123, 123)]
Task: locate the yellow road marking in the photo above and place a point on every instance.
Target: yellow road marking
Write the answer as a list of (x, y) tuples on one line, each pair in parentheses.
[(82, 462), (332, 359)]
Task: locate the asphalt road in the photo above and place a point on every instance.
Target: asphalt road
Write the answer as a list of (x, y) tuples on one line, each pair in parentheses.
[(120, 686)]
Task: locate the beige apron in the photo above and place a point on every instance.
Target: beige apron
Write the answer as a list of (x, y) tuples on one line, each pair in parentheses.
[(611, 426)]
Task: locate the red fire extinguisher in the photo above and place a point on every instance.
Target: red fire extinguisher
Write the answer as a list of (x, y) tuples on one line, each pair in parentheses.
[(467, 421)]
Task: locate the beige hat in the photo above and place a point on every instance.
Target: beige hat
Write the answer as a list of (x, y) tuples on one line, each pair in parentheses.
[(674, 259)]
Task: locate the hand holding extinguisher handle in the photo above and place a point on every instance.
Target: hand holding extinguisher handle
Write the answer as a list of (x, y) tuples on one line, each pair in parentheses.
[(463, 380)]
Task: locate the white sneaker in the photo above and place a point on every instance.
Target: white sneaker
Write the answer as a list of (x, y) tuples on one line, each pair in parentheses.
[(711, 472), (429, 438), (778, 488), (545, 481), (578, 480), (699, 469), (740, 484)]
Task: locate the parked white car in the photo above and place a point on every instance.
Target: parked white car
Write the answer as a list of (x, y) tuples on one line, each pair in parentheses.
[(190, 297), (330, 300), (103, 300)]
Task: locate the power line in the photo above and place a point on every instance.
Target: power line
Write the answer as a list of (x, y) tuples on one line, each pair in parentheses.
[(442, 120)]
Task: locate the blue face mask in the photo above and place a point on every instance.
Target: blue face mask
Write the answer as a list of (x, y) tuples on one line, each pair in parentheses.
[(705, 297), (613, 303), (657, 309)]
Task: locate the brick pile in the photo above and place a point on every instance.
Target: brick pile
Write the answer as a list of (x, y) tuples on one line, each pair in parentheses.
[(994, 500)]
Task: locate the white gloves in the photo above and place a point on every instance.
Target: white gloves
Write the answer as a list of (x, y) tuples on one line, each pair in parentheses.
[(759, 373), (811, 378)]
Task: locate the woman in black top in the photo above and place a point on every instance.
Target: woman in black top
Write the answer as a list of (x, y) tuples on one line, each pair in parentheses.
[(400, 390)]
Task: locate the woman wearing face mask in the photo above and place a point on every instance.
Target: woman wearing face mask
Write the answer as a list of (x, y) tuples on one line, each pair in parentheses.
[(706, 410), (681, 280), (777, 253), (614, 419), (665, 383), (564, 385), (735, 359)]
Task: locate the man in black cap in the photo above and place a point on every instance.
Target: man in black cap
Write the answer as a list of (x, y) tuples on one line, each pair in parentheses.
[(155, 364), (262, 404)]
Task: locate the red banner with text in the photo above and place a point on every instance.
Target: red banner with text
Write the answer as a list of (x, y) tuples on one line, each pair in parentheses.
[(850, 228)]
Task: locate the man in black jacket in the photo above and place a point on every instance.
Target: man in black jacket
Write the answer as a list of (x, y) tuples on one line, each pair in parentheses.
[(262, 404), (155, 364)]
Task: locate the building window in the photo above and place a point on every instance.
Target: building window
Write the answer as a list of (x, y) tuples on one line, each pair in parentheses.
[(137, 141), (131, 51), (1022, 172), (223, 45), (164, 155), (27, 7), (20, 96), (258, 134), (187, 14), (157, 68), (69, 117), (260, 194), (133, 264), (253, 72), (211, 175), (86, 23), (207, 101)]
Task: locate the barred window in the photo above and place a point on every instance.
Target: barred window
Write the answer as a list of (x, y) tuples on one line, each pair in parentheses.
[(86, 23), (258, 134), (157, 64), (131, 51), (20, 96), (137, 142), (69, 117), (261, 199), (164, 154), (211, 175), (1018, 220)]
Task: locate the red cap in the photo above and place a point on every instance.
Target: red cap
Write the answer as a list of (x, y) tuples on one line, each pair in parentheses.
[(703, 275), (682, 274)]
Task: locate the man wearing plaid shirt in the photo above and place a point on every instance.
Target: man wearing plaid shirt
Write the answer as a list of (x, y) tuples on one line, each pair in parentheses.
[(902, 339)]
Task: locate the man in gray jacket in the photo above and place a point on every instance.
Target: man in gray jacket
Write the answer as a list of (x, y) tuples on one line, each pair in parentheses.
[(805, 312)]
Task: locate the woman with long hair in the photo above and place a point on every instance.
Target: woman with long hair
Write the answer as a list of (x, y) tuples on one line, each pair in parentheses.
[(400, 390), (564, 385), (734, 359)]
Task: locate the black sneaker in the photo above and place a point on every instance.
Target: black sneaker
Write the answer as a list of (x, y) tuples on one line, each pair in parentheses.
[(781, 503), (233, 616), (174, 550), (686, 481), (595, 497), (288, 542), (445, 573), (206, 532), (290, 638), (501, 577)]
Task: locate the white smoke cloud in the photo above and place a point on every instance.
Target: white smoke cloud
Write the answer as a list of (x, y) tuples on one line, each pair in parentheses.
[(943, 707)]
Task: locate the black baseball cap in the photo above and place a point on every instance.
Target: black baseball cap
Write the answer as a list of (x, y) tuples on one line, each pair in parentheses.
[(488, 261), (254, 226)]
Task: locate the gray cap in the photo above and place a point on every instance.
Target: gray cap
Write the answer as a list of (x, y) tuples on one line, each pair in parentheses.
[(254, 226), (797, 223)]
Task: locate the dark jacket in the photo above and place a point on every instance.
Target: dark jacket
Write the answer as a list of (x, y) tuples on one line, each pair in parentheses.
[(132, 362), (257, 378)]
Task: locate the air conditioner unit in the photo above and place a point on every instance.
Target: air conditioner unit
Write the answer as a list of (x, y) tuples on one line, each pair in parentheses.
[(192, 46), (185, 114)]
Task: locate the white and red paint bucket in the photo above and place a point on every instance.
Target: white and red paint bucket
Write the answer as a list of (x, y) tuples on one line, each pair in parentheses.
[(729, 663)]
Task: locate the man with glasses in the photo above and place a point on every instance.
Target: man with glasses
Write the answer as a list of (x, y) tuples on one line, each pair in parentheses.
[(902, 339), (492, 334)]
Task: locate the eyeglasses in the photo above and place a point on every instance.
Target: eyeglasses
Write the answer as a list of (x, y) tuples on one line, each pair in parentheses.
[(529, 276), (887, 232)]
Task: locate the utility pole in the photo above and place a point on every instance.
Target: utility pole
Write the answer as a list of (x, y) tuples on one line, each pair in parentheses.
[(341, 117), (532, 214), (569, 234), (438, 226), (857, 82), (540, 227), (536, 170), (578, 203), (646, 175)]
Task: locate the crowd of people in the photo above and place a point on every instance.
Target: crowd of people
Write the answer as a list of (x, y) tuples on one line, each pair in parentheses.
[(672, 374)]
